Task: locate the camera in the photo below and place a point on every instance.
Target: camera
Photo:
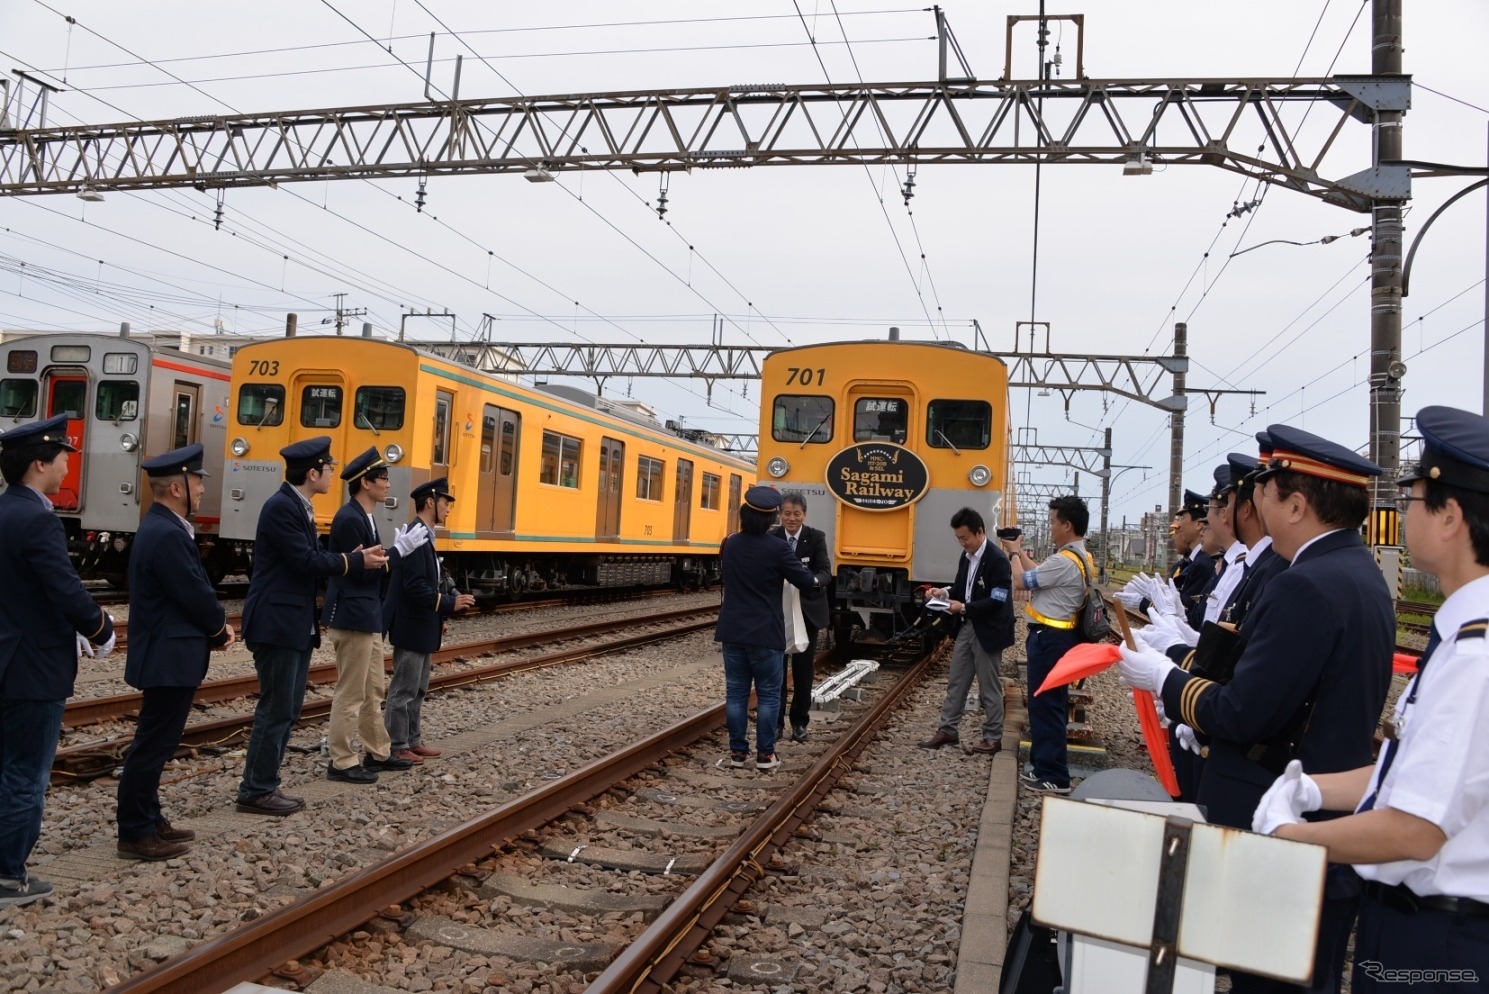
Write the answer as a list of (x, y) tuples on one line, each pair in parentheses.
[(1010, 533)]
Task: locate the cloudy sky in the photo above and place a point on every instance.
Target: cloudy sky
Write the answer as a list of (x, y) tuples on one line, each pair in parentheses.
[(785, 255)]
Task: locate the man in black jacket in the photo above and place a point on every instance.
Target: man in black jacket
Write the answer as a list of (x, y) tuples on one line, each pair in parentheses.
[(981, 594), (810, 546)]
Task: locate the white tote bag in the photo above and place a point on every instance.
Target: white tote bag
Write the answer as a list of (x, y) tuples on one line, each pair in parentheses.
[(796, 626)]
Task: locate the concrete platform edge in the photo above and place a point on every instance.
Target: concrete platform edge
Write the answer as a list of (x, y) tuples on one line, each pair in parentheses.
[(984, 919)]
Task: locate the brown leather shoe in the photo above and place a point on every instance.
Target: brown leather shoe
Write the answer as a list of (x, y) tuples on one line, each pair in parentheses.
[(270, 804), (938, 740), (409, 756), (153, 849), (427, 751), (988, 747), (166, 833)]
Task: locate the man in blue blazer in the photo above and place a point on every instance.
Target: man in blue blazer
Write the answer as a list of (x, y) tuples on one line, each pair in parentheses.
[(810, 546), (414, 614), (981, 609), (46, 617), (1316, 667), (175, 621), (353, 617), (279, 616)]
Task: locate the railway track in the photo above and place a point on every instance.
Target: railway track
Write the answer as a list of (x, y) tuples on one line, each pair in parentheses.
[(99, 758), (594, 816)]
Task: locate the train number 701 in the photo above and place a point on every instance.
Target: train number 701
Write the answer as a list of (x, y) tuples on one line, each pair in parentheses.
[(806, 376)]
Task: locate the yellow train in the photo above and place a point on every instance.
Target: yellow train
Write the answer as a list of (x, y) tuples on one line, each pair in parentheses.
[(887, 439), (554, 488)]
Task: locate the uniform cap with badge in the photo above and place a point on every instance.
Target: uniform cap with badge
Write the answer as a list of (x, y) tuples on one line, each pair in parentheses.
[(362, 465), (1224, 481), (763, 499), (1197, 506), (312, 453), (1455, 449), (436, 488), (187, 459), (1297, 451), (51, 431)]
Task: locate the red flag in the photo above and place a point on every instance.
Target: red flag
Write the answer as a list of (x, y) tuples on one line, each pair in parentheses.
[(1403, 663), (1086, 659), (1156, 739)]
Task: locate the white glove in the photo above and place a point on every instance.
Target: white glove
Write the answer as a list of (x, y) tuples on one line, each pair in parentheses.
[(1144, 669), (1164, 632), (1187, 739), (1131, 599), (1285, 801), (85, 648), (1170, 600), (102, 652), (1143, 585), (1158, 706), (407, 538)]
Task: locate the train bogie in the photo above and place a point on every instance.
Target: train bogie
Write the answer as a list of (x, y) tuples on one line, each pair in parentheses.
[(554, 488), (887, 440)]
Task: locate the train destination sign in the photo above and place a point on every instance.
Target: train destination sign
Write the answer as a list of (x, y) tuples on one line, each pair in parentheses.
[(877, 476)]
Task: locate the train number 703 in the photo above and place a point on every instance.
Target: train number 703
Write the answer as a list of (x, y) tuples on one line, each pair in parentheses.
[(263, 367), (805, 376)]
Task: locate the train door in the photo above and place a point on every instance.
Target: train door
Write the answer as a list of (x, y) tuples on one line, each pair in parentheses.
[(611, 479), (184, 408), (68, 394), (320, 395), (497, 500), (682, 501), (734, 496)]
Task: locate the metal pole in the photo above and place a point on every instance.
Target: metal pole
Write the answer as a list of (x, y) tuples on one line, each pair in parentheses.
[(1176, 425), (1106, 496), (1485, 408), (1385, 288)]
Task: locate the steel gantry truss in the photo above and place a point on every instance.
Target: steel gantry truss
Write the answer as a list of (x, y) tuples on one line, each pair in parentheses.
[(1236, 124)]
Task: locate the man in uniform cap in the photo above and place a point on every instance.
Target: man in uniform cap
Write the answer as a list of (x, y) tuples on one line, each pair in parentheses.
[(1312, 677), (1262, 561), (353, 615), (413, 616), (279, 616), (46, 618), (1420, 828), (175, 621), (1197, 569), (752, 625)]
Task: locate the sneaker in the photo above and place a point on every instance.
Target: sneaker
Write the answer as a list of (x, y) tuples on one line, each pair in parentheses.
[(1045, 787), (736, 760), (14, 893), (767, 761)]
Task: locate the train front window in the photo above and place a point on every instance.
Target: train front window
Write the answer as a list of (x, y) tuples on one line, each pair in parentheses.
[(261, 404), (320, 406), (802, 419), (959, 424), (17, 398), (379, 408), (880, 419), (118, 400)]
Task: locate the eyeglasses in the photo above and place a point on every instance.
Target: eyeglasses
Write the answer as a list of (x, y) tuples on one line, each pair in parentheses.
[(1405, 498)]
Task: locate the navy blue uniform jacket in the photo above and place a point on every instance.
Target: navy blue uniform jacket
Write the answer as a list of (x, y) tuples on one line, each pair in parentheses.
[(415, 607), (990, 604), (174, 615), (754, 566), (42, 602), (811, 549), (1258, 573), (1195, 581), (354, 602), (287, 562), (1323, 624)]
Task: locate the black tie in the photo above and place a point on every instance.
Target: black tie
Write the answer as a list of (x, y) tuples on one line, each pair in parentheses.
[(1433, 641)]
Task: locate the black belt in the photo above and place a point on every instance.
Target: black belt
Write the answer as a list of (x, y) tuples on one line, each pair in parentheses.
[(1401, 898)]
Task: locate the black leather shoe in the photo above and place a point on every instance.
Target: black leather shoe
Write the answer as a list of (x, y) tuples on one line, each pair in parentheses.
[(289, 797), (938, 740), (164, 831), (352, 774), (799, 733), (391, 764), (270, 804), (152, 848)]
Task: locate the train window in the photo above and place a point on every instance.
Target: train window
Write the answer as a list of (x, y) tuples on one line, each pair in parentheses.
[(880, 419), (441, 455), (71, 353), (21, 361), (649, 478), (379, 408), (320, 406), (509, 447), (560, 460), (118, 400), (120, 363), (69, 397), (488, 442), (959, 424), (710, 499), (18, 397), (261, 404), (802, 419)]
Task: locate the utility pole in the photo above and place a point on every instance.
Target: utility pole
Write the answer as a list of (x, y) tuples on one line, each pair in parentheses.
[(1176, 422), (1386, 368), (342, 314), (1106, 496)]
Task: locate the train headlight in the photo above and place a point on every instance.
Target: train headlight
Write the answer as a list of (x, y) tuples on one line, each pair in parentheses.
[(980, 475), (777, 467), (393, 453), (240, 447), (129, 441)]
